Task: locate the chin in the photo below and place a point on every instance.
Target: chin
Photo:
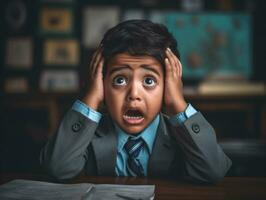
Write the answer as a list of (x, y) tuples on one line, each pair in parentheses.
[(133, 130)]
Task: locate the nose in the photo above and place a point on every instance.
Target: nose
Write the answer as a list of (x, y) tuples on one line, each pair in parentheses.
[(134, 92)]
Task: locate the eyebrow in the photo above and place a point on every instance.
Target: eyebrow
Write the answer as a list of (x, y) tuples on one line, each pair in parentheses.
[(147, 67), (121, 67)]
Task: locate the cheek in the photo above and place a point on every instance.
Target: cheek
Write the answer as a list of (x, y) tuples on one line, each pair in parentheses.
[(156, 98), (113, 99), (158, 93), (108, 96), (107, 86)]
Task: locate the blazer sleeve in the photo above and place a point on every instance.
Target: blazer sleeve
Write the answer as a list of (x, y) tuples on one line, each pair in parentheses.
[(205, 161), (64, 155)]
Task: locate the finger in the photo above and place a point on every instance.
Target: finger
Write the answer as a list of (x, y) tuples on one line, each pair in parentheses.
[(92, 66), (98, 58), (175, 59), (172, 62), (173, 56), (99, 69), (93, 60), (168, 69), (94, 56), (96, 62), (180, 68)]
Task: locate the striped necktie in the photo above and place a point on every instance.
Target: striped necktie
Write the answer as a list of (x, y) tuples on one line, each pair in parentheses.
[(133, 148)]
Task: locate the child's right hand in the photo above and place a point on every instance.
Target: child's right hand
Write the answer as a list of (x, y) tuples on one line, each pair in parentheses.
[(95, 92)]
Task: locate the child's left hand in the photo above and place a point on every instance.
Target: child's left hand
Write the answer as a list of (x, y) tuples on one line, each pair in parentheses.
[(173, 89)]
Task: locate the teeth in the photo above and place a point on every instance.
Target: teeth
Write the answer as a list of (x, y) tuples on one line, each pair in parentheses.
[(133, 117)]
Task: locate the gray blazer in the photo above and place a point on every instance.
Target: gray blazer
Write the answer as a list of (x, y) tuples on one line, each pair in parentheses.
[(81, 145)]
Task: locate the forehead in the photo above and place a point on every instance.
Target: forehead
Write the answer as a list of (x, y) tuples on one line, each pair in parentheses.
[(134, 62)]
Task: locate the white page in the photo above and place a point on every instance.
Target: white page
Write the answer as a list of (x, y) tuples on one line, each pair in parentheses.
[(37, 190), (112, 192), (25, 189)]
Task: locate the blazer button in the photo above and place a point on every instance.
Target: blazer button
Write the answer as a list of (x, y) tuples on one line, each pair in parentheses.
[(195, 128), (76, 127)]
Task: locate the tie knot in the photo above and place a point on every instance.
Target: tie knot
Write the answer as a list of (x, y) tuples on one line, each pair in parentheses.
[(133, 146)]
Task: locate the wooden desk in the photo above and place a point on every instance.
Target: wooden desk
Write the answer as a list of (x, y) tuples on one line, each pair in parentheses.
[(231, 188)]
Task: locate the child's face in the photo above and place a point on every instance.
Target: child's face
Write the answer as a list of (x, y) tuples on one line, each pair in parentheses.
[(133, 91)]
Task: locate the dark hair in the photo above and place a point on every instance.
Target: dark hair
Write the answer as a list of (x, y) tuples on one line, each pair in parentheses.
[(139, 38)]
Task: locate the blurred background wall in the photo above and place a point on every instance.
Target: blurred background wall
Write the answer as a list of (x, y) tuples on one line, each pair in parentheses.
[(46, 46)]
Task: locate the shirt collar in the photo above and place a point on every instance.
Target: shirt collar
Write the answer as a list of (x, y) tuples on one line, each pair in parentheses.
[(148, 134)]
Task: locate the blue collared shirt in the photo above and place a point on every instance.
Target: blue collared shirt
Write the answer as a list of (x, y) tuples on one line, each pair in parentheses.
[(148, 135)]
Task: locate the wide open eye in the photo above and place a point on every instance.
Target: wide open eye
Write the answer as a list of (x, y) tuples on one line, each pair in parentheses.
[(119, 80), (149, 81)]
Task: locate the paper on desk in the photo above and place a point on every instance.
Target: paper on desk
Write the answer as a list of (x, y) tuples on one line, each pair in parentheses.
[(37, 190), (25, 189), (110, 191)]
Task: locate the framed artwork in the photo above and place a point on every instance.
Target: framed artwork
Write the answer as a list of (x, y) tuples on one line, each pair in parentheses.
[(59, 81), (19, 53), (54, 20), (16, 85), (15, 15), (157, 16), (133, 14), (62, 52), (96, 21), (213, 44), (192, 5)]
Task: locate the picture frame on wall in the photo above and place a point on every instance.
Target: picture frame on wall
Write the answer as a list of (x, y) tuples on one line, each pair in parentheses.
[(19, 53), (56, 21), (94, 26), (16, 85), (61, 52), (16, 14), (133, 14), (59, 81)]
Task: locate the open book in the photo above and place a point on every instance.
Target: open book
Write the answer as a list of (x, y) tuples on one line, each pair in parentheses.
[(26, 189)]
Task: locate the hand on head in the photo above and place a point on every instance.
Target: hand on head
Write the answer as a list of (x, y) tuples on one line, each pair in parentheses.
[(95, 92), (174, 101)]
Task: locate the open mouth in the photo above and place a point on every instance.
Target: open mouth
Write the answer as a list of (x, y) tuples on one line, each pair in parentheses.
[(133, 116)]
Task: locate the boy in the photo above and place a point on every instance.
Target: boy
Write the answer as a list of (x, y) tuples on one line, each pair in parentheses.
[(136, 71)]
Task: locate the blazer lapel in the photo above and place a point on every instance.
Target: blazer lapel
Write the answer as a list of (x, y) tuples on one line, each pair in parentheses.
[(163, 152), (105, 148)]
